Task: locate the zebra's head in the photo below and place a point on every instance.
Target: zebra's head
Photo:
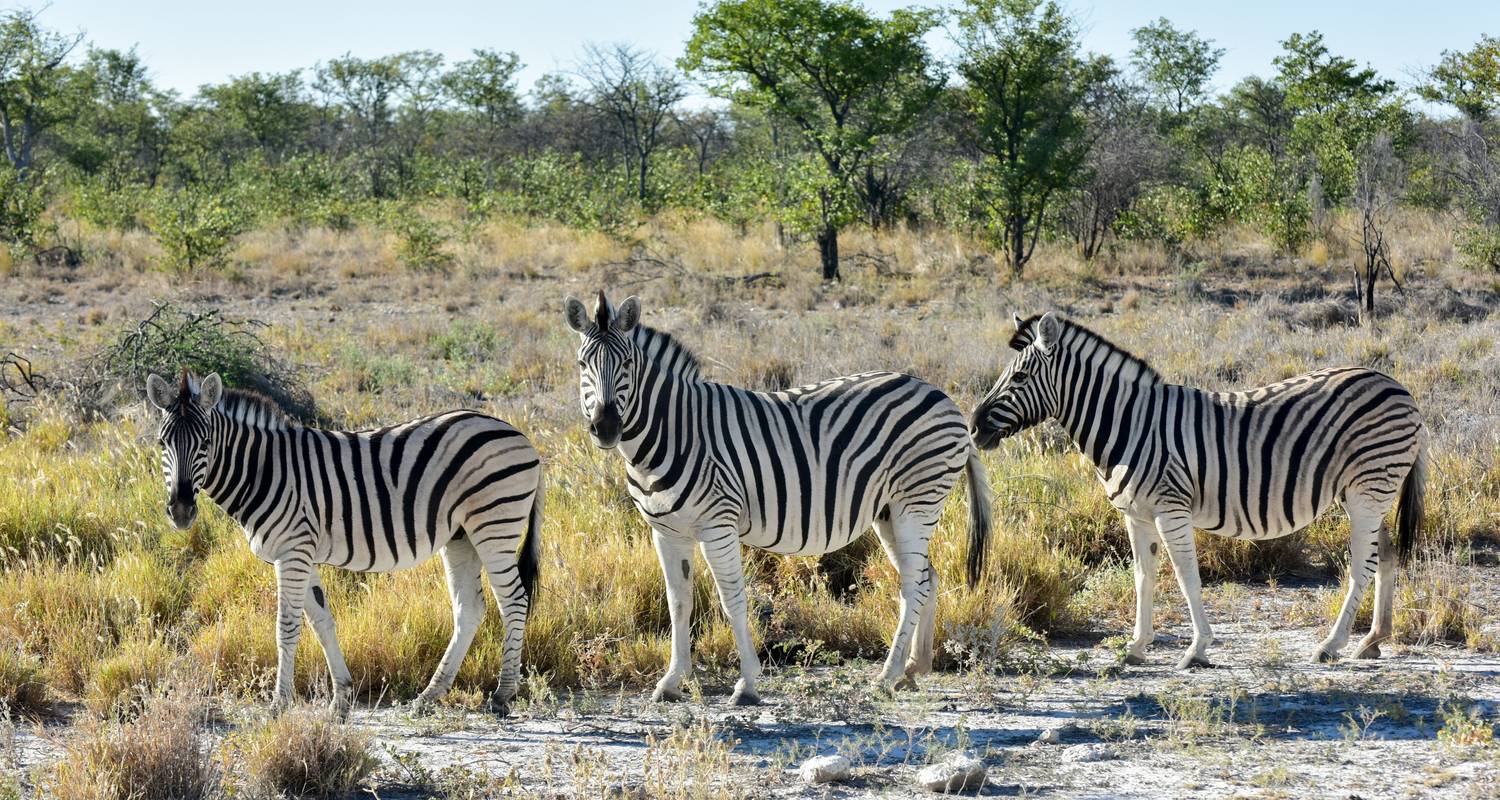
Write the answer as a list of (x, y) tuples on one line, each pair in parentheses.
[(1024, 395), (607, 357), (184, 438)]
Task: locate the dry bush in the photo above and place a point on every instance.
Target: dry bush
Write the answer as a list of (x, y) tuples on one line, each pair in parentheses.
[(22, 688), (162, 753), (303, 752), (126, 680)]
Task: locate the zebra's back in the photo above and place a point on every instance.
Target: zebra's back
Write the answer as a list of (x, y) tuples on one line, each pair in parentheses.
[(812, 467), (389, 498), (1265, 462)]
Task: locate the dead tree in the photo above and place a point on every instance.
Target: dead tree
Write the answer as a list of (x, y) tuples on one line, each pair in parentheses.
[(1376, 197)]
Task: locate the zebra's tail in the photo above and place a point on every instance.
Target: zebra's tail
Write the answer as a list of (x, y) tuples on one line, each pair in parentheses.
[(1412, 507), (530, 561), (980, 511)]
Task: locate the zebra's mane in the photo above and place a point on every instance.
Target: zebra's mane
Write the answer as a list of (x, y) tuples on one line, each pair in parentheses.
[(254, 409), (668, 353), (1024, 334)]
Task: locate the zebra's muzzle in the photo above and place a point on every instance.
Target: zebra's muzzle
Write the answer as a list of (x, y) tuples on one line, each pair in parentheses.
[(987, 436), (182, 513), (604, 427)]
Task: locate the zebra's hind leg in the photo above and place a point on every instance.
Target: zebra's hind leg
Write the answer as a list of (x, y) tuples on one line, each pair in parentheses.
[(292, 580), (1365, 523), (466, 590), (322, 625), (905, 539), (920, 662), (721, 549), (1385, 590), (499, 552), (1176, 531)]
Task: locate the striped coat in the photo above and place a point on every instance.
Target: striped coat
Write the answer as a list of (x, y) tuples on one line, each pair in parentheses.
[(460, 484), (1255, 464), (800, 472)]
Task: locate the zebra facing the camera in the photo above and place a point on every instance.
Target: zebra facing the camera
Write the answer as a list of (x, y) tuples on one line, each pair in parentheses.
[(1257, 464), (460, 484), (799, 472)]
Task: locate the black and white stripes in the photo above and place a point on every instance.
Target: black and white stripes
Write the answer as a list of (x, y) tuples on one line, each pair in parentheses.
[(461, 484), (800, 472), (1256, 464)]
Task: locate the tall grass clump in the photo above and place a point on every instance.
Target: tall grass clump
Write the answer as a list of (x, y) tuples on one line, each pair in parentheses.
[(162, 753), (303, 752), (23, 690)]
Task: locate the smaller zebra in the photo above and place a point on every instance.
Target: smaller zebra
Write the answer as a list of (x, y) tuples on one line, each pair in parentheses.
[(462, 484), (1257, 464)]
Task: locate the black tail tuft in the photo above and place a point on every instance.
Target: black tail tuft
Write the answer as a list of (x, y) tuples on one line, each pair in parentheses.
[(980, 520), (1412, 507), (530, 562)]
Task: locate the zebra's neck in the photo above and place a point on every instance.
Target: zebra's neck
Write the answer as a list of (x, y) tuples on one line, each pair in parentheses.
[(659, 426), (1101, 392), (246, 454)]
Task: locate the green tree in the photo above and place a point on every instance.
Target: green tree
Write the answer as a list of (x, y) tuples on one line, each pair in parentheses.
[(841, 77), (1468, 81), (33, 68), (485, 87), (269, 110), (1025, 90), (1176, 66)]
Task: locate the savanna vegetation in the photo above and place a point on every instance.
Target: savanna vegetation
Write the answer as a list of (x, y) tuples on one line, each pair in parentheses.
[(374, 238)]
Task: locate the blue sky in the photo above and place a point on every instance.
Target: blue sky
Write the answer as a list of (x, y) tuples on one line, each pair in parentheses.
[(189, 43)]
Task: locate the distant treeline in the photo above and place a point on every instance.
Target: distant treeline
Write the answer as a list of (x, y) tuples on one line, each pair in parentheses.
[(833, 117)]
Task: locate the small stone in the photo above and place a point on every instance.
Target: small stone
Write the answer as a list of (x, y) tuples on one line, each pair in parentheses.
[(824, 769), (1086, 753), (1050, 736), (957, 772), (622, 791)]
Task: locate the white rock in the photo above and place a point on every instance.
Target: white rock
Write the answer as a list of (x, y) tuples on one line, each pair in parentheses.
[(957, 772), (1050, 736), (824, 769), (1085, 753)]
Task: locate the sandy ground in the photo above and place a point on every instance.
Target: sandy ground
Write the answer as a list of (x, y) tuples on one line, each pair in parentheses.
[(1264, 722)]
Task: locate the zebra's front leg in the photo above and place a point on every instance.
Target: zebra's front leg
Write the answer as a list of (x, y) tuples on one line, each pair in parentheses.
[(1143, 547), (322, 624), (293, 576), (676, 556), (721, 549), (1176, 531)]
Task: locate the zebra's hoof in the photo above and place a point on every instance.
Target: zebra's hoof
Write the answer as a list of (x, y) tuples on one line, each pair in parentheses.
[(906, 684), (1325, 657), (422, 707), (1371, 650), (1133, 660), (1191, 661), (743, 698), (666, 695)]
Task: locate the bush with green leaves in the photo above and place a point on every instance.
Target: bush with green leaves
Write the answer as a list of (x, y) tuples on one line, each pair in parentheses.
[(110, 207), (420, 241), (23, 205), (195, 226), (1479, 247)]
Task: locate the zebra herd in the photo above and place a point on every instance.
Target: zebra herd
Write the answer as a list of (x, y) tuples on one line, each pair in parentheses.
[(798, 472)]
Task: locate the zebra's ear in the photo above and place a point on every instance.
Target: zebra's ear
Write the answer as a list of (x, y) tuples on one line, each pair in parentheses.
[(158, 392), (1016, 321), (578, 315), (627, 315), (210, 391), (1047, 332)]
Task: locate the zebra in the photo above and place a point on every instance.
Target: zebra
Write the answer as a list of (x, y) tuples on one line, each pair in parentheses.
[(798, 472), (1257, 464), (462, 484)]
